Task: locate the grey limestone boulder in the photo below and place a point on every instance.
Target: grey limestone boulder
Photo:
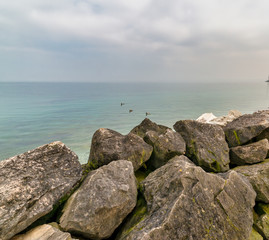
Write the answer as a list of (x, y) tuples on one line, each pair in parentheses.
[(205, 144), (246, 127), (44, 232), (104, 199), (108, 145), (32, 183), (148, 125), (250, 153), (185, 202), (258, 176), (165, 146)]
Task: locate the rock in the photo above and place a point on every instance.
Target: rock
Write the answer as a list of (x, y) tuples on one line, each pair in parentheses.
[(104, 199), (147, 125), (249, 154), (108, 145), (255, 235), (261, 219), (44, 232), (32, 183), (206, 117), (222, 121), (258, 176), (246, 127), (205, 144), (185, 202), (165, 146)]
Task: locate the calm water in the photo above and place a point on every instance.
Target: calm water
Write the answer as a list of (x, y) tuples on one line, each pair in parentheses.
[(32, 114)]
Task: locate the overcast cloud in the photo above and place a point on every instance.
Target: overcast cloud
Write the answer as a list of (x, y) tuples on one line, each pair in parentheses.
[(141, 40)]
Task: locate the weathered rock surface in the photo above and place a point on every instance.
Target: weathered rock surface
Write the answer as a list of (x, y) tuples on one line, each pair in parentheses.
[(205, 144), (44, 232), (258, 176), (261, 219), (31, 183), (165, 146), (246, 127), (222, 121), (104, 199), (185, 202), (148, 125), (108, 145), (249, 154)]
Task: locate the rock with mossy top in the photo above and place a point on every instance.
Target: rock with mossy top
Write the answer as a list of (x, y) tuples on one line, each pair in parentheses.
[(255, 235), (185, 202), (246, 128), (147, 125), (250, 153), (205, 144), (258, 176), (44, 232), (109, 145), (165, 146), (32, 184), (104, 199)]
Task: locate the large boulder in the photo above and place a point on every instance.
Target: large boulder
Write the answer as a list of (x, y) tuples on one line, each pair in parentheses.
[(44, 232), (250, 153), (258, 176), (185, 202), (205, 144), (32, 183), (165, 146), (148, 125), (104, 199), (246, 127), (108, 145)]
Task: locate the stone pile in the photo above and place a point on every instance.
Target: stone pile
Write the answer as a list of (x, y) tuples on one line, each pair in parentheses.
[(208, 179)]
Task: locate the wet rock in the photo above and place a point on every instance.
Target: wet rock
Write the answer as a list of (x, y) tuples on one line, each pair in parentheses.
[(32, 183), (185, 202), (205, 144), (44, 232), (108, 145), (258, 176), (249, 154), (147, 125), (104, 199), (246, 127)]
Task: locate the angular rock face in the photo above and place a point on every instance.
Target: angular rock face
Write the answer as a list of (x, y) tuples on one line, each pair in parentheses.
[(31, 183), (108, 145), (258, 176), (246, 127), (105, 198), (165, 146), (44, 232), (147, 125), (205, 144), (185, 202), (249, 154)]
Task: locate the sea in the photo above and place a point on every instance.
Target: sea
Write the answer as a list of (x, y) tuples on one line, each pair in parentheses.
[(33, 114)]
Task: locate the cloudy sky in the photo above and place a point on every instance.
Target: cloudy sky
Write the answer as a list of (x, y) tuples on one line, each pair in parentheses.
[(135, 40)]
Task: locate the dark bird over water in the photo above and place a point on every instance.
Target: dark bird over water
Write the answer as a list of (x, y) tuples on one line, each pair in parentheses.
[(122, 103), (130, 110)]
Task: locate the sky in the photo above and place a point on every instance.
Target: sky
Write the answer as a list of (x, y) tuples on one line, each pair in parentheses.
[(134, 41)]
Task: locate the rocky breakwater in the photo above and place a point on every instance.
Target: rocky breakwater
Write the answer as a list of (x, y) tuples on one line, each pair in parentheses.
[(205, 180)]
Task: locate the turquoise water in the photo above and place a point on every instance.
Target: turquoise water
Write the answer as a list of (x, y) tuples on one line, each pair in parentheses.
[(32, 114)]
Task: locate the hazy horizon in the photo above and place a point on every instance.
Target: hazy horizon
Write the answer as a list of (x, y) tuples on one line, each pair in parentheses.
[(135, 41)]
